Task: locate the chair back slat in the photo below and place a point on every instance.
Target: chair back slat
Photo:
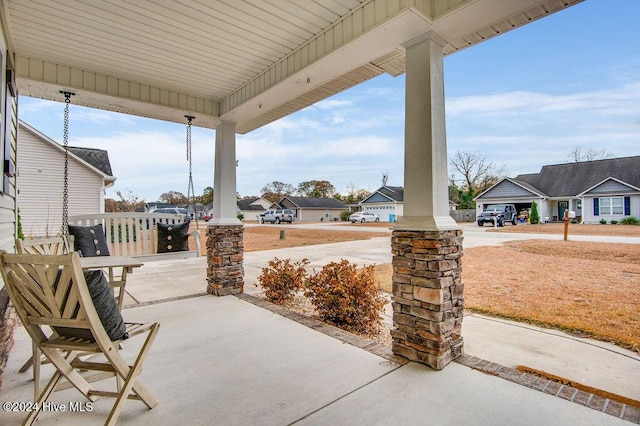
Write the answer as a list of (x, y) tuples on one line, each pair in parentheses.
[(46, 246), (45, 294)]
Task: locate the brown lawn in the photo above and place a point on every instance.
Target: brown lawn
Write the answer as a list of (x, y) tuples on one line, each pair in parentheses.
[(591, 289), (575, 229)]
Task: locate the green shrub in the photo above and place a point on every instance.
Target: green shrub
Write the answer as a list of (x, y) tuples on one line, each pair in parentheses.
[(123, 229), (344, 216), (240, 216), (534, 217), (282, 279), (574, 221), (614, 222), (603, 221), (630, 221), (347, 298)]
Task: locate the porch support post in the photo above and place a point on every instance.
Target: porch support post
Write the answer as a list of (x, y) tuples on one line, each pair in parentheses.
[(225, 248), (426, 241)]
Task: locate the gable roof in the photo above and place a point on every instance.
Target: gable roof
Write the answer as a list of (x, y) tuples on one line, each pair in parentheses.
[(315, 203), (511, 188), (98, 158), (246, 204), (571, 179)]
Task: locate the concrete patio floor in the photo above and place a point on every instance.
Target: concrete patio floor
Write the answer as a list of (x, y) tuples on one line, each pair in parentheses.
[(228, 361)]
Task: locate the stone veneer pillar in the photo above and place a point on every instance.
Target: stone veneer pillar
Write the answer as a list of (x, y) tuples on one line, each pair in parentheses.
[(427, 296), (225, 253)]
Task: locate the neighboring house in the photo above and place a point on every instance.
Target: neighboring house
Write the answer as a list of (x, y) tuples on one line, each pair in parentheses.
[(151, 207), (308, 209), (42, 184), (595, 190), (251, 208), (200, 210), (388, 203)]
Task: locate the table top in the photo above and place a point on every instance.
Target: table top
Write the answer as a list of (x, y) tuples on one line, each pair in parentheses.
[(109, 262)]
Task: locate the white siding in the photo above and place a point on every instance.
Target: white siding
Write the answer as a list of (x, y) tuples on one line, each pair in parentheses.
[(589, 217), (40, 179), (384, 210), (8, 117)]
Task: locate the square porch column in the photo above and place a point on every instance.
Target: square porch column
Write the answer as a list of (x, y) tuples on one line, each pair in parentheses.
[(225, 248), (426, 241)]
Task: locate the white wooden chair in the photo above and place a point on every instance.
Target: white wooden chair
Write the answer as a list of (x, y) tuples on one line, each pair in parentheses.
[(51, 291), (42, 246)]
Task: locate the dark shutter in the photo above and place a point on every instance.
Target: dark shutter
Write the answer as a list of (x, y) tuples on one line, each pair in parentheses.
[(596, 206), (627, 206)]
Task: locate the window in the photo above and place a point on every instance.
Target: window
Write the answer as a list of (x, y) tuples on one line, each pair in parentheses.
[(611, 205)]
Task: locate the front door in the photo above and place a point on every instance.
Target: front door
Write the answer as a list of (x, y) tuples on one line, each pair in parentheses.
[(562, 206)]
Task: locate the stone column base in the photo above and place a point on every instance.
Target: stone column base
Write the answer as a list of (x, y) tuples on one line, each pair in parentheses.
[(427, 296), (225, 253), (8, 321)]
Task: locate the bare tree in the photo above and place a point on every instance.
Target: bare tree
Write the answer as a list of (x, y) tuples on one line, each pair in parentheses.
[(477, 172), (173, 197), (128, 202), (275, 190), (579, 154)]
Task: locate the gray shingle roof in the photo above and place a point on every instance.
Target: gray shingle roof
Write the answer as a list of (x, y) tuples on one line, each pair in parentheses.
[(98, 158), (316, 203), (571, 179), (245, 204), (396, 193)]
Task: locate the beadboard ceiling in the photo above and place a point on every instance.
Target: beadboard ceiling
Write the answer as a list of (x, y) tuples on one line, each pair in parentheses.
[(246, 61)]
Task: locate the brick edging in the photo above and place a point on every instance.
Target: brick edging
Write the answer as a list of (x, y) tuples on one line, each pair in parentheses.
[(605, 405), (608, 406)]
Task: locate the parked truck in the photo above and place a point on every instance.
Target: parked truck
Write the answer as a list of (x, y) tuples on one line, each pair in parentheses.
[(499, 213)]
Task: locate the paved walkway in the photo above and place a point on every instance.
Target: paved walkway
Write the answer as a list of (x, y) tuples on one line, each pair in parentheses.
[(227, 361)]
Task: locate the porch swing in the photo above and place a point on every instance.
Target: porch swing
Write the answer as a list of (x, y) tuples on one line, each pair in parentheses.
[(142, 236)]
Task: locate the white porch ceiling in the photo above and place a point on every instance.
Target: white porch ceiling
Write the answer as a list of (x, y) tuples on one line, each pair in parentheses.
[(246, 61)]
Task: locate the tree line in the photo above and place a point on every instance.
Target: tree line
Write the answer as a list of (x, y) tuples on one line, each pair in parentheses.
[(475, 174)]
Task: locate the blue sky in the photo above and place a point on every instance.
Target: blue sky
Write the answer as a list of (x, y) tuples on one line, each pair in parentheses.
[(522, 100)]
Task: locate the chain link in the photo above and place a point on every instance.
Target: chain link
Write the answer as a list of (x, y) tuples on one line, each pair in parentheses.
[(65, 141), (191, 195)]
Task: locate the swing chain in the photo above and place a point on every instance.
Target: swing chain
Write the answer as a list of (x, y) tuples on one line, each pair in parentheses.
[(65, 191), (191, 195)]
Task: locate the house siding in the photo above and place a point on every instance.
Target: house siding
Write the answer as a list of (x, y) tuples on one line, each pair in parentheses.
[(377, 198), (590, 217), (612, 187), (41, 186), (506, 189), (8, 136)]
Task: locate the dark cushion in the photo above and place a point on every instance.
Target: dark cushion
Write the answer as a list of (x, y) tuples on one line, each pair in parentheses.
[(173, 237), (106, 307), (89, 241)]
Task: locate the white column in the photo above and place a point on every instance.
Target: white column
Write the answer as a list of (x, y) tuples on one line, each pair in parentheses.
[(426, 194), (224, 176)]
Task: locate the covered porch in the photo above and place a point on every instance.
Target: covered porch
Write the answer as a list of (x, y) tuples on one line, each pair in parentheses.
[(244, 361), (237, 69)]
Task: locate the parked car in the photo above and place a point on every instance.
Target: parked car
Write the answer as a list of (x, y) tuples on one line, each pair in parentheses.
[(498, 212), (174, 210), (363, 217), (277, 216)]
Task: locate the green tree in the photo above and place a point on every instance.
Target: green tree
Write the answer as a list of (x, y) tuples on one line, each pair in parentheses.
[(316, 189), (207, 196), (534, 217)]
